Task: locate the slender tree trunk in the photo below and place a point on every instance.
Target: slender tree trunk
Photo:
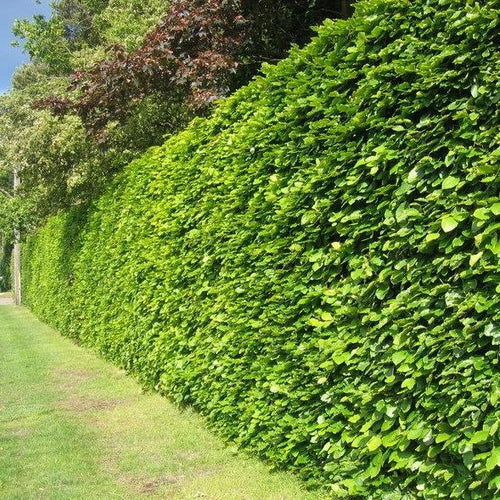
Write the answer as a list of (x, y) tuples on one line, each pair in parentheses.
[(17, 253), (17, 270)]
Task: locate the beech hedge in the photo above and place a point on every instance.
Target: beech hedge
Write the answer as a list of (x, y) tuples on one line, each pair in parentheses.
[(315, 267)]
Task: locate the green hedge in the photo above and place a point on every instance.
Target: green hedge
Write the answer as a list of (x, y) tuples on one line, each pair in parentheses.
[(5, 258), (315, 267)]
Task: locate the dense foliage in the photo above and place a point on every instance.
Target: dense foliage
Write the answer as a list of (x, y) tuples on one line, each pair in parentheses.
[(199, 52), (58, 163), (5, 274), (315, 268), (130, 72), (78, 31), (190, 54)]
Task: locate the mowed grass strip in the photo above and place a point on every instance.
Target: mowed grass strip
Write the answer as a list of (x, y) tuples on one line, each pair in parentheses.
[(73, 426)]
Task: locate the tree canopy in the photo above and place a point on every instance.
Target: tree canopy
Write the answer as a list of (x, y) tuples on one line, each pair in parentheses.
[(110, 78)]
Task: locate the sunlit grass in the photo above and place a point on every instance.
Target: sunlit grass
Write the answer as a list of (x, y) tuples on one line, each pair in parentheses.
[(73, 426)]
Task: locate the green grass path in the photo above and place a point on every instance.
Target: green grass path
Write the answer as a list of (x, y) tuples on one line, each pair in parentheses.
[(72, 426)]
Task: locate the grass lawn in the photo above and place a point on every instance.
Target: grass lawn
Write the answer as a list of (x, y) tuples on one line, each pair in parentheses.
[(72, 426)]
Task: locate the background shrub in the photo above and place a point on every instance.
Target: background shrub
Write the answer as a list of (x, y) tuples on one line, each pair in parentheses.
[(315, 267), (5, 272)]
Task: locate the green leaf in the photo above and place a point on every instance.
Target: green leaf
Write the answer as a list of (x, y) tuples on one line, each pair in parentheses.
[(481, 213), (381, 292), (450, 182), (433, 451), (431, 237), (442, 437), (374, 443), (409, 383), (340, 357), (415, 433), (494, 459), (479, 437), (448, 223), (413, 175), (316, 322), (474, 258), (495, 209), (399, 356), (475, 484), (326, 316), (391, 439)]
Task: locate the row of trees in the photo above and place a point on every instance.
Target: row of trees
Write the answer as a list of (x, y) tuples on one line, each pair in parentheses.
[(110, 78)]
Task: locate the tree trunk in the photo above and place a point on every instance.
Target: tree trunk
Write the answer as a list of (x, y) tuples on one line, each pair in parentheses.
[(17, 270), (17, 253)]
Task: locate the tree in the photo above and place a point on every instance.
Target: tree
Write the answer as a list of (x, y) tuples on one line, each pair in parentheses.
[(199, 52), (126, 97), (60, 165)]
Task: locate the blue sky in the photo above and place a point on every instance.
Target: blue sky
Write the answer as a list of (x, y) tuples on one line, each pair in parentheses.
[(12, 57)]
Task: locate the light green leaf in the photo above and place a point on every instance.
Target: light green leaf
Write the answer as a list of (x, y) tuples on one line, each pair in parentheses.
[(431, 237), (494, 460), (339, 358), (474, 258), (316, 322), (409, 383), (495, 209), (382, 292), (448, 223), (479, 437), (440, 438), (481, 213), (374, 443), (391, 439), (326, 316), (399, 356), (450, 182), (412, 175)]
